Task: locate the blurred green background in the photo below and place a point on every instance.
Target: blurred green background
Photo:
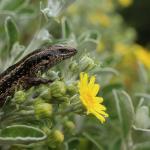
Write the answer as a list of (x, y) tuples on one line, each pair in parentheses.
[(112, 39)]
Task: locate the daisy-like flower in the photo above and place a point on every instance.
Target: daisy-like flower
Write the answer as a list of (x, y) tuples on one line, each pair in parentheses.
[(88, 91)]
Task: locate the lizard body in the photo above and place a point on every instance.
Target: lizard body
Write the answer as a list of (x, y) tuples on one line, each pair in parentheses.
[(24, 72)]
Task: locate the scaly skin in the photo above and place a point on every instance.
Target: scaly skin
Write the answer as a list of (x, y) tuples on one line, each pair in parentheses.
[(24, 72)]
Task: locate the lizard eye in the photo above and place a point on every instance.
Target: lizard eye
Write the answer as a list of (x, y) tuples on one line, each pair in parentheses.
[(62, 50)]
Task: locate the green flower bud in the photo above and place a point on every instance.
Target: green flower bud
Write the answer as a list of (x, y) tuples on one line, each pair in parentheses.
[(72, 89), (40, 89), (19, 97), (86, 63), (38, 100), (63, 99), (46, 130), (55, 137), (46, 94), (58, 89), (43, 110), (52, 75), (58, 136), (69, 125), (74, 66)]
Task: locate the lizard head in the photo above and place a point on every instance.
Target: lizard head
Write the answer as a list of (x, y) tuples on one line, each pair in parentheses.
[(52, 55), (63, 52), (59, 53)]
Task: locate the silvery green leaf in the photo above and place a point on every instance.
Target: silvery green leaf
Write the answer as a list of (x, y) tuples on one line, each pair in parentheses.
[(108, 88), (143, 74), (143, 95), (108, 70), (21, 134), (43, 35), (15, 53), (66, 29), (142, 146), (125, 110), (11, 32), (116, 145), (54, 7), (40, 37), (89, 36), (73, 143), (140, 135), (90, 138), (11, 5), (142, 119)]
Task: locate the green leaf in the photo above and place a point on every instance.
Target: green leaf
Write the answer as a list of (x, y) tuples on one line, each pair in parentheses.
[(90, 138), (73, 143), (142, 146), (143, 95), (116, 145), (140, 135), (21, 134), (142, 119), (66, 29), (11, 32), (108, 70), (11, 5), (89, 36), (125, 110), (110, 87)]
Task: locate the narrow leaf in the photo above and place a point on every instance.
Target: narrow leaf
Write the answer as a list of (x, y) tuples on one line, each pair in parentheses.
[(21, 134), (11, 32), (125, 110)]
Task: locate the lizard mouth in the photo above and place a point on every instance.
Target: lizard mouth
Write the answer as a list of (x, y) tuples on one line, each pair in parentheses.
[(68, 52), (64, 51)]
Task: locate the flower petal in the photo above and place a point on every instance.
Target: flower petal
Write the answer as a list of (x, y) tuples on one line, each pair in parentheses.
[(88, 92), (95, 89), (100, 117), (99, 99), (92, 81), (102, 113)]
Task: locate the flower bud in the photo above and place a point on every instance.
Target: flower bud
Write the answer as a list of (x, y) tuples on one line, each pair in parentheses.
[(69, 125), (58, 136), (58, 89), (46, 94), (86, 63), (19, 97), (43, 110), (63, 99), (74, 66), (46, 130), (72, 89), (54, 138), (52, 75), (40, 89), (38, 100)]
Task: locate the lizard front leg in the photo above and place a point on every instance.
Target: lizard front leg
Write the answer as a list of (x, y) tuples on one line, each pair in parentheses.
[(34, 81)]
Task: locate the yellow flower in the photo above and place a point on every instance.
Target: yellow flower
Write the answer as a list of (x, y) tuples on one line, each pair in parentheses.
[(100, 46), (99, 18), (143, 55), (121, 48), (73, 9), (125, 3), (88, 92)]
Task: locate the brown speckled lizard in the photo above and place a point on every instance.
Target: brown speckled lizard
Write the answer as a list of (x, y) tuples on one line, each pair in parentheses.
[(24, 72)]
